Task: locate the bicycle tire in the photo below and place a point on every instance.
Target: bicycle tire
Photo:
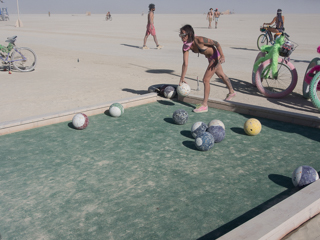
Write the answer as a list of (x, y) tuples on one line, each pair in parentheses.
[(313, 90), (259, 55), (280, 87), (24, 65), (262, 40), (305, 85)]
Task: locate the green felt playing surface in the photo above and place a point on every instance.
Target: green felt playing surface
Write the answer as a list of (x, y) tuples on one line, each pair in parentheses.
[(140, 176)]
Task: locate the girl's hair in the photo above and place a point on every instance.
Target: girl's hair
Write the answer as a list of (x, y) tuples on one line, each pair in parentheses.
[(279, 18), (189, 31), (151, 6)]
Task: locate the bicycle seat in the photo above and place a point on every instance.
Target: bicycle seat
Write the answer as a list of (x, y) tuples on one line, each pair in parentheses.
[(11, 39)]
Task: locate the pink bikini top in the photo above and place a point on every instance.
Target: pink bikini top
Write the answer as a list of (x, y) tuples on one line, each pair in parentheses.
[(187, 46)]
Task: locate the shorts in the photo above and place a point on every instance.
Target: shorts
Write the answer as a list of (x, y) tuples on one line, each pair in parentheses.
[(151, 31), (210, 19), (216, 19), (216, 55)]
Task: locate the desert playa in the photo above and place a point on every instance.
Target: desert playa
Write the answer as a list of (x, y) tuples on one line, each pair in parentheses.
[(85, 60)]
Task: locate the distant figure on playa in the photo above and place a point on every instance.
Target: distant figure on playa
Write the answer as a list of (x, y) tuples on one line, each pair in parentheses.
[(279, 20), (150, 28), (213, 51), (210, 17), (216, 17), (49, 14), (108, 16)]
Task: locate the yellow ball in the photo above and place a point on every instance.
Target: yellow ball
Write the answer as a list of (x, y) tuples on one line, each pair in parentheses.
[(252, 127)]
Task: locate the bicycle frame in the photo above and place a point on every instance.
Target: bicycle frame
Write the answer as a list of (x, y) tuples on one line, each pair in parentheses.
[(267, 35), (311, 73), (6, 60), (266, 71)]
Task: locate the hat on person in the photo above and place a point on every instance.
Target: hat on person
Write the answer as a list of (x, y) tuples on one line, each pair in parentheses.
[(216, 9)]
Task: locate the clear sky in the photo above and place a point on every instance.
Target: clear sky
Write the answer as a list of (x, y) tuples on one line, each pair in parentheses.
[(163, 6)]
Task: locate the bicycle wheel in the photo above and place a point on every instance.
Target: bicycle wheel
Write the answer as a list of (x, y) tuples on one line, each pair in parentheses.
[(314, 93), (262, 40), (260, 54), (280, 86), (305, 85), (24, 59)]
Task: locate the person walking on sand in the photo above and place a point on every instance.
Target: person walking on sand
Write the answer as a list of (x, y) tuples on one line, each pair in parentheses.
[(213, 51), (150, 28), (210, 17), (216, 17)]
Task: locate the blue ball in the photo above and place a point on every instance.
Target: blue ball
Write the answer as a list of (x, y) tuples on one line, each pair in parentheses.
[(304, 175), (217, 132), (204, 142), (180, 116), (198, 129)]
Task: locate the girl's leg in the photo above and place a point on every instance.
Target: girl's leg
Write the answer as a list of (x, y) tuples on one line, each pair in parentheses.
[(211, 69), (226, 80)]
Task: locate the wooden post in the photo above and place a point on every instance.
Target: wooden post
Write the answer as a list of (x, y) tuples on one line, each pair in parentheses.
[(18, 22)]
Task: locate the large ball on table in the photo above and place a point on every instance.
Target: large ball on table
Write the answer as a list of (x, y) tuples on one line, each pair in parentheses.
[(252, 127), (80, 121), (204, 142), (180, 116), (198, 129), (216, 122), (304, 175), (217, 132), (169, 92), (116, 110), (183, 90)]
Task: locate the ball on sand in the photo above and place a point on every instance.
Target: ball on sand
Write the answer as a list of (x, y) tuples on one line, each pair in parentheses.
[(204, 142), (80, 121), (304, 175), (216, 122), (252, 127), (183, 90), (198, 129), (116, 110), (217, 132), (169, 92), (180, 116)]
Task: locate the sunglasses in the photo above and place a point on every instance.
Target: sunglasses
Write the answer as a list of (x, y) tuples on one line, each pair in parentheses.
[(182, 34)]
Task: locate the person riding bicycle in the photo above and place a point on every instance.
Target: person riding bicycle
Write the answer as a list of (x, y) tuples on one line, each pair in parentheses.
[(279, 21), (213, 52)]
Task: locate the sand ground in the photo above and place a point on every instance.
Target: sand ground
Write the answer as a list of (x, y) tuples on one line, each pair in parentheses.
[(112, 66), (85, 60)]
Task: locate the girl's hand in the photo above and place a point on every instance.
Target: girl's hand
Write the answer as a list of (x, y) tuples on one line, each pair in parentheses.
[(181, 82), (222, 59)]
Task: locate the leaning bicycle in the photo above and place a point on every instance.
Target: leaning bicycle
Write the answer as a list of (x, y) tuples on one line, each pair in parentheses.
[(311, 71), (22, 59), (281, 82), (314, 73)]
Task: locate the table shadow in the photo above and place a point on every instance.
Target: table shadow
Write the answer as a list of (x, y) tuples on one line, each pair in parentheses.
[(278, 179)]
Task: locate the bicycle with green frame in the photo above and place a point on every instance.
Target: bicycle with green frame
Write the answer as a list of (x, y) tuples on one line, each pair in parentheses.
[(284, 81), (22, 59)]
